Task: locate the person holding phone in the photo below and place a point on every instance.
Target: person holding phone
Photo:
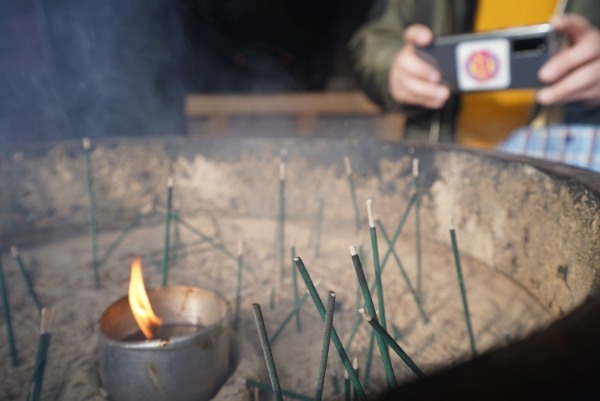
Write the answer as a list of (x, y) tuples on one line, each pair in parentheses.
[(393, 75)]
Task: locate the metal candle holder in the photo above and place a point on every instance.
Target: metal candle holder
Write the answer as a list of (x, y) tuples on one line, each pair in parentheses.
[(186, 367)]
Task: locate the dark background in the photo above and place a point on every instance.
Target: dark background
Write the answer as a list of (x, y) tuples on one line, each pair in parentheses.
[(70, 69)]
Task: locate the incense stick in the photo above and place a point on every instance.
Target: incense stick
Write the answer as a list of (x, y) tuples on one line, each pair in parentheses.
[(8, 318), (91, 209), (403, 272), (334, 336), (266, 347), (357, 372), (325, 346), (417, 184), (385, 356), (350, 175), (463, 291), (370, 351), (17, 256), (37, 378), (238, 291), (268, 388), (120, 238), (281, 215), (295, 283), (205, 237), (295, 310), (389, 340), (377, 266), (346, 386), (168, 214)]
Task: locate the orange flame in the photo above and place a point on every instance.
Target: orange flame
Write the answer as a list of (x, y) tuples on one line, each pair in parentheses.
[(139, 302)]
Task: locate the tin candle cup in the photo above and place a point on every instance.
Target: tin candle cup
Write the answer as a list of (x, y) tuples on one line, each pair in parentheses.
[(190, 359)]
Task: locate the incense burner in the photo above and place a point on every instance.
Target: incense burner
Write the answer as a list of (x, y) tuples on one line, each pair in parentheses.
[(190, 358)]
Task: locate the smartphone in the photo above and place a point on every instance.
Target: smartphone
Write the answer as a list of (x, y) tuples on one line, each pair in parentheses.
[(494, 60)]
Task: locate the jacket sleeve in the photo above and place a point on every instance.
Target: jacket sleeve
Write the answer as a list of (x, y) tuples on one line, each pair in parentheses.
[(374, 46)]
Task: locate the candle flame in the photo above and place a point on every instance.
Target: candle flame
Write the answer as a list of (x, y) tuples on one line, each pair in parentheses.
[(139, 302)]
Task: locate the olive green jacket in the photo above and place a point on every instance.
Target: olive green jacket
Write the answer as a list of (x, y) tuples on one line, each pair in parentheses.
[(375, 44)]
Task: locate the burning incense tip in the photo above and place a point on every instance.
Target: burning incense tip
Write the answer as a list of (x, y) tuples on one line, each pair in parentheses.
[(347, 165), (370, 213), (346, 375), (355, 363), (293, 242), (170, 182), (353, 250), (451, 223), (297, 258), (332, 294), (282, 171), (86, 143), (415, 167), (14, 251)]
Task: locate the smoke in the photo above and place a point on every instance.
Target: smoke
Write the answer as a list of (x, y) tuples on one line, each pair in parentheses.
[(71, 69)]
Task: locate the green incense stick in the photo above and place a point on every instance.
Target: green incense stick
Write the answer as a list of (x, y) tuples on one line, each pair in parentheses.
[(176, 239), (168, 214), (295, 310), (391, 342), (325, 346), (357, 372), (120, 238), (203, 236), (463, 291), (350, 176), (383, 350), (334, 336), (238, 290), (15, 253), (91, 209), (268, 388), (35, 388), (369, 361), (335, 384), (295, 283), (416, 179), (281, 219), (403, 272), (8, 318), (377, 266), (266, 347), (346, 386)]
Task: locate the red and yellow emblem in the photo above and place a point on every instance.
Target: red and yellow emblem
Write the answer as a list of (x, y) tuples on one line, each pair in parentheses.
[(482, 65)]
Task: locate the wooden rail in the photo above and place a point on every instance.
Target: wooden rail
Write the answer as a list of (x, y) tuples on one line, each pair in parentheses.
[(305, 107)]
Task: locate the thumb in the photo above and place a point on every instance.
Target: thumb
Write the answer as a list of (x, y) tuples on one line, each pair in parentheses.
[(418, 35)]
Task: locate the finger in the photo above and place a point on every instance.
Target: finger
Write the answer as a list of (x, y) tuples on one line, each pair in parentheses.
[(574, 25), (414, 65), (418, 34), (422, 93), (581, 84), (586, 50)]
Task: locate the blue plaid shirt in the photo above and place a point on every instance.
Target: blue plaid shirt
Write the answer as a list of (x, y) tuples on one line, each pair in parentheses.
[(576, 145)]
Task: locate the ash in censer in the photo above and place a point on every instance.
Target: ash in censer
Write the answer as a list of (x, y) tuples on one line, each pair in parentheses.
[(527, 239)]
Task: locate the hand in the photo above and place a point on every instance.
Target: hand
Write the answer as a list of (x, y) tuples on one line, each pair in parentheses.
[(574, 73), (412, 80)]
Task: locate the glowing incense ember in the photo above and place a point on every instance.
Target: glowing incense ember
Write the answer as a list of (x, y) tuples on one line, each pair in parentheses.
[(139, 302)]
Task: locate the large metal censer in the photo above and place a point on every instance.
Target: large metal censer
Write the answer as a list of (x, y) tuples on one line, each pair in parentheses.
[(536, 222)]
